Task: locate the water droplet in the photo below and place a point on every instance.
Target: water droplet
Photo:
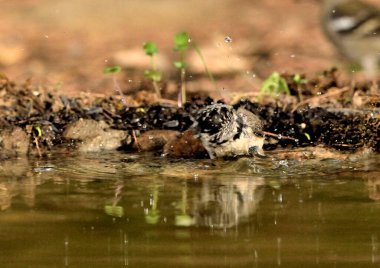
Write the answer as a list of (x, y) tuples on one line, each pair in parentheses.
[(228, 39)]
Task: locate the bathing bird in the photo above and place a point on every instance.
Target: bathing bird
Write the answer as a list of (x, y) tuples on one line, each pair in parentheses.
[(228, 132)]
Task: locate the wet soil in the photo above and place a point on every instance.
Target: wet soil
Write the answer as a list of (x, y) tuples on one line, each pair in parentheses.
[(324, 111)]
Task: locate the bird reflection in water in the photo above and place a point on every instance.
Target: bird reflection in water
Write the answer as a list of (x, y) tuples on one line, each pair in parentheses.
[(224, 205)]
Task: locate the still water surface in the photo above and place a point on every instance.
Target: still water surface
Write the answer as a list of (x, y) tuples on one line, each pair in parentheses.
[(117, 210)]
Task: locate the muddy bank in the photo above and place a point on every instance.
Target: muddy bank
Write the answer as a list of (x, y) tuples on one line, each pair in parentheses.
[(324, 111)]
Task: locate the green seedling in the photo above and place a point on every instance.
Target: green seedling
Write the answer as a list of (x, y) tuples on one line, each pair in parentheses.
[(274, 85), (299, 82), (114, 70), (36, 138), (153, 74), (181, 45), (39, 131)]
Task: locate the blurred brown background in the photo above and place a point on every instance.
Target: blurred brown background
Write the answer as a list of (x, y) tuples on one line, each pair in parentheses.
[(69, 42)]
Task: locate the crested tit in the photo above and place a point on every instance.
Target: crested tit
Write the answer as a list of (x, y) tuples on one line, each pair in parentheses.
[(225, 131), (354, 28)]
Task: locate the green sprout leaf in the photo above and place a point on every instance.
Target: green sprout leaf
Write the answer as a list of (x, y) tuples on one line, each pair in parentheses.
[(153, 75), (274, 85), (39, 131), (181, 41), (112, 70), (307, 135), (299, 80), (150, 48), (180, 64)]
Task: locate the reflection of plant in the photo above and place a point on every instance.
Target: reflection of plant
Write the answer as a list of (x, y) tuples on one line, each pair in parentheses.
[(183, 219), (114, 70), (154, 214), (114, 210), (274, 85), (153, 74), (181, 44)]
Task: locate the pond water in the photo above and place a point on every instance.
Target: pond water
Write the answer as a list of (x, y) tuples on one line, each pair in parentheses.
[(117, 210)]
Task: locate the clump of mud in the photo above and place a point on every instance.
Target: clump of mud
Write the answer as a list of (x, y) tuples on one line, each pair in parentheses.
[(324, 111)]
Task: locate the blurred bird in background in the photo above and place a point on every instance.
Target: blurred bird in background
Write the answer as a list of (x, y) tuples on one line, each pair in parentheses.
[(353, 27)]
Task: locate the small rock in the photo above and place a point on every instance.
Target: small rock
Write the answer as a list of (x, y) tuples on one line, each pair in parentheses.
[(84, 128), (154, 140), (14, 142), (185, 145), (94, 136)]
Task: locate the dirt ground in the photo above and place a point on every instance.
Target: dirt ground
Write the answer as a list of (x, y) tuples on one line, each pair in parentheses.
[(52, 53), (66, 44)]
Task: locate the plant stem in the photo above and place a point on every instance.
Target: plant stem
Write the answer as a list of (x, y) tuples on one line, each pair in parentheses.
[(153, 62), (155, 84), (183, 86), (183, 76), (299, 91), (210, 75), (157, 89), (118, 89)]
